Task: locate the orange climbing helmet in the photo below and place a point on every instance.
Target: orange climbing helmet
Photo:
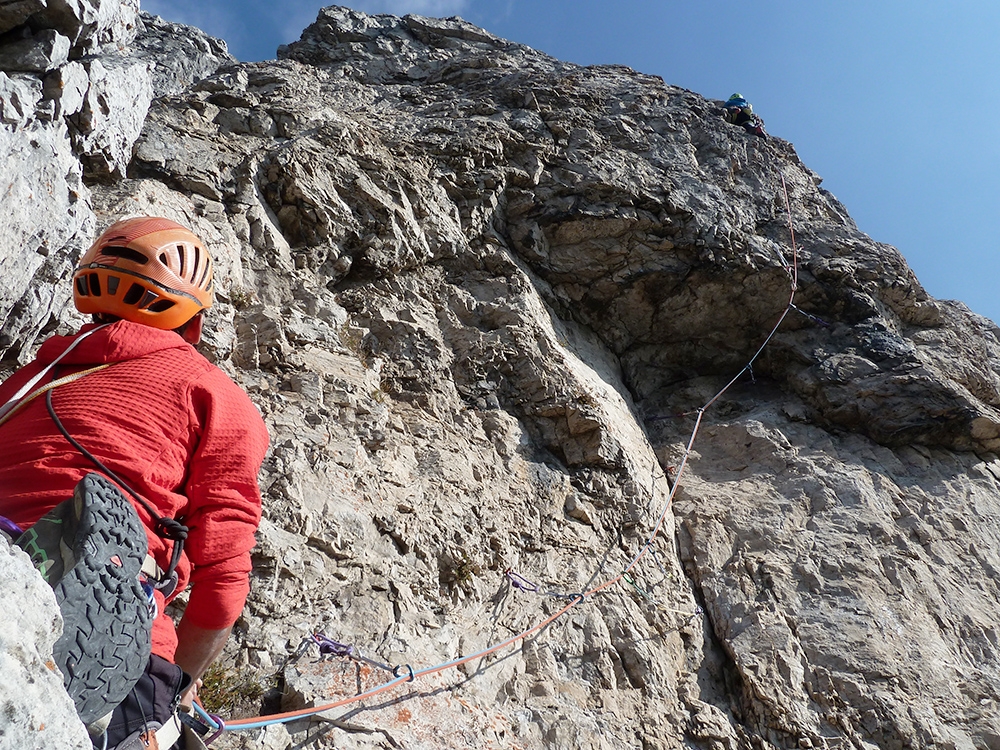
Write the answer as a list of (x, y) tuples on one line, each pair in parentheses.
[(148, 270)]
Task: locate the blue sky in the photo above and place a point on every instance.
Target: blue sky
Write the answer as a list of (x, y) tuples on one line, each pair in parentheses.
[(888, 101)]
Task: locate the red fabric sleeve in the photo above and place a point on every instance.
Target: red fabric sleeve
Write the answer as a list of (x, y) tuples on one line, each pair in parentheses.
[(224, 499), (218, 595)]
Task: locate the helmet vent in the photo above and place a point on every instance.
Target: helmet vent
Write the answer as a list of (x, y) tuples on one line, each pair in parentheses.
[(94, 282), (81, 286), (161, 305), (197, 260), (204, 276), (126, 253), (183, 265), (113, 284), (134, 294)]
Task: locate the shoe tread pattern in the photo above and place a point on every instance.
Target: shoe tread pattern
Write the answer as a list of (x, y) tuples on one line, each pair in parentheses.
[(105, 643)]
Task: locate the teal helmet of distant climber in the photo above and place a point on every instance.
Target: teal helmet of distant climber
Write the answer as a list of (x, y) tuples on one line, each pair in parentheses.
[(737, 106)]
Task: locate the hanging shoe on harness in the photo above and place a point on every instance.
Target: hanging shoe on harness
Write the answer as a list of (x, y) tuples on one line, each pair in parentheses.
[(91, 549)]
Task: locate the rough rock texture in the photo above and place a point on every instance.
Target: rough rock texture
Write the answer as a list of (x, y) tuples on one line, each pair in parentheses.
[(111, 115), (35, 711), (178, 55), (37, 53), (46, 216), (60, 129), (86, 24), (14, 13), (483, 298)]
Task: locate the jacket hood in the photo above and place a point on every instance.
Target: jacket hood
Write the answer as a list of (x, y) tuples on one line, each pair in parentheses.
[(117, 342)]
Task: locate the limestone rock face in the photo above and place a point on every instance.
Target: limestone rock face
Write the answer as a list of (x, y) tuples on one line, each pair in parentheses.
[(178, 55), (485, 301), (86, 24), (39, 52), (46, 213), (36, 712), (13, 13), (111, 115), (69, 122)]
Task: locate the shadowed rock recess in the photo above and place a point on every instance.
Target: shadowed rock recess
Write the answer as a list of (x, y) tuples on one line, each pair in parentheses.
[(480, 296)]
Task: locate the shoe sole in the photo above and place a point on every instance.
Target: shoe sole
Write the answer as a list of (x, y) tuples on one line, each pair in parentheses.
[(106, 640)]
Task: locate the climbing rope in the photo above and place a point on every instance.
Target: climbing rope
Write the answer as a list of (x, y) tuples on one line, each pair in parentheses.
[(406, 673), (20, 398), (16, 405)]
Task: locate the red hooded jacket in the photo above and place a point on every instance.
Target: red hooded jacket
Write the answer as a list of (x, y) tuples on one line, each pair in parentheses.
[(171, 425)]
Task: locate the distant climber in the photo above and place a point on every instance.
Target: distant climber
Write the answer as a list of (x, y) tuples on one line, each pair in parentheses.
[(128, 406), (739, 111)]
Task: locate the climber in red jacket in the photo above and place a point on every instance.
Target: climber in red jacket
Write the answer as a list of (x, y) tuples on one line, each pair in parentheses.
[(138, 407)]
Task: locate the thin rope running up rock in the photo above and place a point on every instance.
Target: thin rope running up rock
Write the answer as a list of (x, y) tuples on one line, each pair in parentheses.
[(523, 584)]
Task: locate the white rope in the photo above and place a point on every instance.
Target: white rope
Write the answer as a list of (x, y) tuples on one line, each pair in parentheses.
[(16, 398)]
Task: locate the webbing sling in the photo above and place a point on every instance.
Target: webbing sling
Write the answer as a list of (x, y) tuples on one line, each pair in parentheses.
[(18, 399), (12, 407)]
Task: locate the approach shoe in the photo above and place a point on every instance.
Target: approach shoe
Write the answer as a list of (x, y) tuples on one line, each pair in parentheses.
[(90, 549)]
